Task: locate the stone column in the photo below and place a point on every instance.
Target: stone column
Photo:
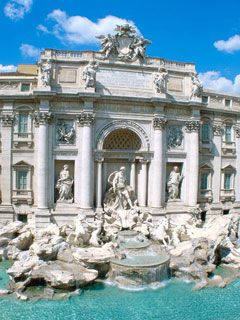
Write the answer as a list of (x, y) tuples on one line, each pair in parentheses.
[(86, 120), (158, 163), (142, 190), (237, 178), (6, 187), (42, 121), (217, 151), (99, 183), (77, 167), (133, 175), (192, 128)]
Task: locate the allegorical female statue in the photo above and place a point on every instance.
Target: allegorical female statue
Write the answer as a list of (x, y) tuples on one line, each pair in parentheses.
[(64, 185), (173, 184)]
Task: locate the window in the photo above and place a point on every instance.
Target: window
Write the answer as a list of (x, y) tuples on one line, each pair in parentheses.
[(25, 87), (227, 181), (205, 99), (22, 123), (21, 182), (228, 133), (227, 103), (205, 133), (204, 181)]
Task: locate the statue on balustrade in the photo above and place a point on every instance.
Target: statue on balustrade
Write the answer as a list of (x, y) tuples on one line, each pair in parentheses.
[(197, 86), (64, 185), (160, 80), (173, 184), (89, 74), (46, 70)]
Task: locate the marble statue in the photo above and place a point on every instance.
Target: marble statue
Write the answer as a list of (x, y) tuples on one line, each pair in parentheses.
[(197, 87), (159, 232), (46, 70), (173, 183), (120, 202), (108, 44), (64, 185), (89, 74), (160, 80), (81, 234), (125, 45), (119, 195), (66, 134), (97, 226)]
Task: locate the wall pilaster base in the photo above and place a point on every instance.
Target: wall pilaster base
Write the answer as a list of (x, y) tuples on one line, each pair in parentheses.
[(7, 213), (42, 218)]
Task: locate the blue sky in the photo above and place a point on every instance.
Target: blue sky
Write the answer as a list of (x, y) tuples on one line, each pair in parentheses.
[(204, 32)]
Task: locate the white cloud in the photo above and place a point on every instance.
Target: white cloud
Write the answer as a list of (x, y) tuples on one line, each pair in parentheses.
[(215, 81), (27, 50), (78, 29), (230, 45), (16, 9), (8, 68)]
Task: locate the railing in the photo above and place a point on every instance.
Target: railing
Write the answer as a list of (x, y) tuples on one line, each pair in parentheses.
[(229, 146), (227, 195), (22, 195), (26, 138), (206, 195)]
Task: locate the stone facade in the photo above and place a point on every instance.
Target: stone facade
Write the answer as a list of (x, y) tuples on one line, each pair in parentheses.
[(98, 111)]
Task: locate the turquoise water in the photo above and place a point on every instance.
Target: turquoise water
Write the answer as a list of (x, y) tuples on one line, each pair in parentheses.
[(176, 301)]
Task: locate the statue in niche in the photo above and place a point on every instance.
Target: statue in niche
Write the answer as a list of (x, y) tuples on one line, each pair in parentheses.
[(46, 69), (64, 185), (66, 134), (89, 74), (173, 184), (197, 86), (120, 203), (160, 80)]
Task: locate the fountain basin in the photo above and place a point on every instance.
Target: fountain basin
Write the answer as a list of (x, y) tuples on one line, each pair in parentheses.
[(139, 270)]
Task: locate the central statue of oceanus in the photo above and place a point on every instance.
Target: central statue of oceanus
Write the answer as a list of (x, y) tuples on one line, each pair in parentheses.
[(120, 200)]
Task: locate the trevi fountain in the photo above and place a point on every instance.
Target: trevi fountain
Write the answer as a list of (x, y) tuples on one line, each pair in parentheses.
[(121, 213)]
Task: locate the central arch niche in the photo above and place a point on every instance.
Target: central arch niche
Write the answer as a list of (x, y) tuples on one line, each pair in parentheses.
[(124, 147), (122, 139)]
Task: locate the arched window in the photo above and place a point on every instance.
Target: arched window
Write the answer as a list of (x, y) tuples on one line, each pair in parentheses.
[(122, 139)]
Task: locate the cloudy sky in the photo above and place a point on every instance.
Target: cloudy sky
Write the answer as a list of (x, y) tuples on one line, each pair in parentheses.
[(204, 32)]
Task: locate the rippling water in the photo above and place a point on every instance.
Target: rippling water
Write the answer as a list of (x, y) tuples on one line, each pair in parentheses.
[(176, 301)]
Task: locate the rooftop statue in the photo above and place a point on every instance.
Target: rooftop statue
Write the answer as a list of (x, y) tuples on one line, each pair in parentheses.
[(197, 87), (124, 44)]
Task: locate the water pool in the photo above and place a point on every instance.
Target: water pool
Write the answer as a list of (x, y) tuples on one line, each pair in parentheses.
[(176, 301)]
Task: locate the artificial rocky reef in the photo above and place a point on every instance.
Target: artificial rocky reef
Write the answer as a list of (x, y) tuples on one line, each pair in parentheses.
[(74, 256)]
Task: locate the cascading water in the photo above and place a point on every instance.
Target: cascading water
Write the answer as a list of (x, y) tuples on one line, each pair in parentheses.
[(141, 263)]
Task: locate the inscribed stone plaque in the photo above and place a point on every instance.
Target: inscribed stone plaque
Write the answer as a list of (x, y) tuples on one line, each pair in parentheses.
[(67, 75), (119, 78), (175, 84)]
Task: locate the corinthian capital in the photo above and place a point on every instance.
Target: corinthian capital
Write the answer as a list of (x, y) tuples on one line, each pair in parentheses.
[(192, 125), (42, 118), (7, 120), (159, 122), (85, 118)]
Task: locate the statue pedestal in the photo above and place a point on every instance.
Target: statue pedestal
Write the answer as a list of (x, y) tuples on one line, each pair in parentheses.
[(43, 89)]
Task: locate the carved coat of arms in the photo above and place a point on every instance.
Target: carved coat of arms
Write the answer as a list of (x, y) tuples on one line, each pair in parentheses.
[(124, 44)]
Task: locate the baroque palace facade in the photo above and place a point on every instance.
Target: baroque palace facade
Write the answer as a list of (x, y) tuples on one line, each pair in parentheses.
[(92, 113)]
